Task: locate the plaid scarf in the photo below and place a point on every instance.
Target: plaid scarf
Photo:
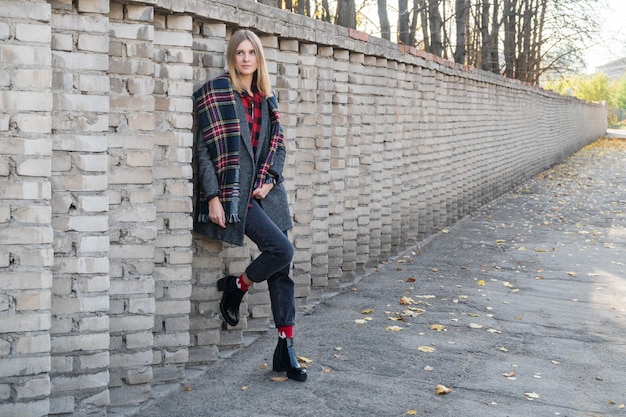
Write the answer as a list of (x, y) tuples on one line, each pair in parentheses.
[(219, 124)]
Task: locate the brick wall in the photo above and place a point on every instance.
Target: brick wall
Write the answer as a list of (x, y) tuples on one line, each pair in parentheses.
[(105, 292)]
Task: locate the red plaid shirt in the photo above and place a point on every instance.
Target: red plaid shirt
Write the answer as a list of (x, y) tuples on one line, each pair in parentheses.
[(254, 114)]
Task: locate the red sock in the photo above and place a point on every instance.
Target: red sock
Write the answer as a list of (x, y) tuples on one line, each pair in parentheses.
[(242, 285), (285, 332)]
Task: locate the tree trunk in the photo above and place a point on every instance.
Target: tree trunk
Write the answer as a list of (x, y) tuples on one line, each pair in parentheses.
[(326, 11), (346, 14), (494, 58), (509, 37), (385, 28), (435, 24), (424, 21), (462, 10), (403, 22), (414, 17)]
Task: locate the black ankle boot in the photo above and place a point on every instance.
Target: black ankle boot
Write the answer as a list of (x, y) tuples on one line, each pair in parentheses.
[(231, 299), (285, 360)]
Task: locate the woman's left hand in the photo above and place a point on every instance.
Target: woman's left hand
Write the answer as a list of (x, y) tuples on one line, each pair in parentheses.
[(261, 192)]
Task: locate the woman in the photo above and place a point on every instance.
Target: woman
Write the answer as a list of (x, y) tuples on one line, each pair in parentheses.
[(240, 155)]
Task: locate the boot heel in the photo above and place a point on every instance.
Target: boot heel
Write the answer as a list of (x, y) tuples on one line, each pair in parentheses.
[(285, 359)]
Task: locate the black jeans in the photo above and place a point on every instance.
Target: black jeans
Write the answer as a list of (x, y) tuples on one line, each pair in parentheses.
[(273, 264)]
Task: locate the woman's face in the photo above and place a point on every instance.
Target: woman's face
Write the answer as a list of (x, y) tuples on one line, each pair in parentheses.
[(245, 59)]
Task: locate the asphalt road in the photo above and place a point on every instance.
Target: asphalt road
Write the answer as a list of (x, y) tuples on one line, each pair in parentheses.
[(519, 309)]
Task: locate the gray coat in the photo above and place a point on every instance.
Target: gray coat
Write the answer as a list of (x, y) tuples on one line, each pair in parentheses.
[(275, 204)]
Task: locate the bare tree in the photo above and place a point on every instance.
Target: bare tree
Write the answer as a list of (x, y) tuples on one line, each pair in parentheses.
[(346, 13), (385, 27), (462, 11), (435, 26), (403, 22)]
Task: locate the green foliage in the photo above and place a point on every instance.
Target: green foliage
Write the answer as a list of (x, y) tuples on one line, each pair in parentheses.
[(593, 88), (619, 94)]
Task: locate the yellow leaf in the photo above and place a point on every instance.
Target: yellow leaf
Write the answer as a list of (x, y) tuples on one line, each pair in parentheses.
[(406, 300), (279, 378), (500, 241), (393, 328), (435, 269), (304, 359), (411, 413), (367, 311), (508, 284), (531, 395), (438, 327), (264, 366), (442, 390), (188, 388), (426, 349), (481, 282)]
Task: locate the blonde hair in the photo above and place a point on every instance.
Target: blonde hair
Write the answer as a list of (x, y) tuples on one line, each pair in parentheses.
[(262, 76)]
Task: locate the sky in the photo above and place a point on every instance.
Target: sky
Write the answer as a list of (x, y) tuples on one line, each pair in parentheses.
[(612, 46)]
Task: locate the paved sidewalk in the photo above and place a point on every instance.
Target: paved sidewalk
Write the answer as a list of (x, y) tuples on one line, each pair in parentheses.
[(519, 308)]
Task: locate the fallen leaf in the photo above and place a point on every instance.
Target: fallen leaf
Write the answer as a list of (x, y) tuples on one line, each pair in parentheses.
[(438, 327), (442, 390), (367, 311), (571, 274), (555, 362), (413, 312), (327, 370), (494, 331), (480, 282), (510, 374), (188, 388), (508, 284), (503, 349), (475, 326), (360, 321), (279, 378), (411, 413), (264, 366), (435, 269), (338, 348), (393, 328), (531, 395), (410, 280), (245, 388), (304, 359), (406, 300), (428, 368), (426, 349)]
